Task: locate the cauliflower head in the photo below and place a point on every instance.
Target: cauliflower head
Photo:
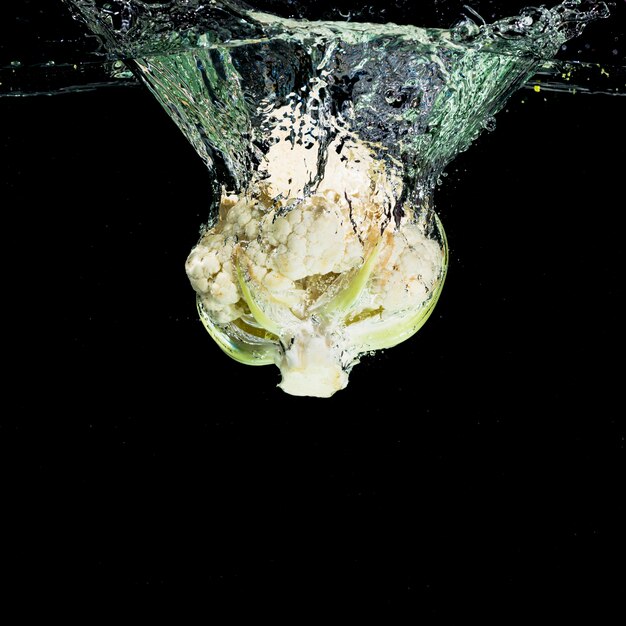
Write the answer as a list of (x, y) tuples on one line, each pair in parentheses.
[(311, 285)]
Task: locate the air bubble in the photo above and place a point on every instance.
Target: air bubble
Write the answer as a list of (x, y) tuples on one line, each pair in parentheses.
[(489, 123)]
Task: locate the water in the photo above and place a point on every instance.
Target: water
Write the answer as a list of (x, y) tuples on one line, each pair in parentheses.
[(44, 52), (288, 113)]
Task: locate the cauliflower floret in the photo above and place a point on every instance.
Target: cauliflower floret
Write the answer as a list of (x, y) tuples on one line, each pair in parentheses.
[(261, 272), (242, 220), (211, 272), (210, 266), (408, 267), (314, 238)]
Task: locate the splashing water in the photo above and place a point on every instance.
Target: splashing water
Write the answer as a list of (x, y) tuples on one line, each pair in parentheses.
[(326, 139), (43, 58)]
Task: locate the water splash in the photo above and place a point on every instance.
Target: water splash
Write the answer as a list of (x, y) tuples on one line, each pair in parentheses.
[(44, 60), (326, 140), (203, 56)]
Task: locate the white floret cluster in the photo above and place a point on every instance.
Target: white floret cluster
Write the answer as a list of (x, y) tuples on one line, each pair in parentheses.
[(279, 252), (316, 238), (211, 264), (408, 266)]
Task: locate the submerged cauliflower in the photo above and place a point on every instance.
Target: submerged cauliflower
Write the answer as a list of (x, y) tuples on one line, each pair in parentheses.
[(311, 285)]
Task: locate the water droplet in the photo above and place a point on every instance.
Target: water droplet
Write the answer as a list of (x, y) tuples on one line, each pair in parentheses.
[(489, 123)]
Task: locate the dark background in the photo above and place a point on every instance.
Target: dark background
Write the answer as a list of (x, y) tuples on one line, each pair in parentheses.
[(471, 471)]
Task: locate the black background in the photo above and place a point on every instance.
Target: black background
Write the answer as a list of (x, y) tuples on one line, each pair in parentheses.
[(471, 471)]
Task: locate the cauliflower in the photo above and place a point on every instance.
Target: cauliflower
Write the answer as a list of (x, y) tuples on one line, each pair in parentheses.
[(210, 267), (312, 284)]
